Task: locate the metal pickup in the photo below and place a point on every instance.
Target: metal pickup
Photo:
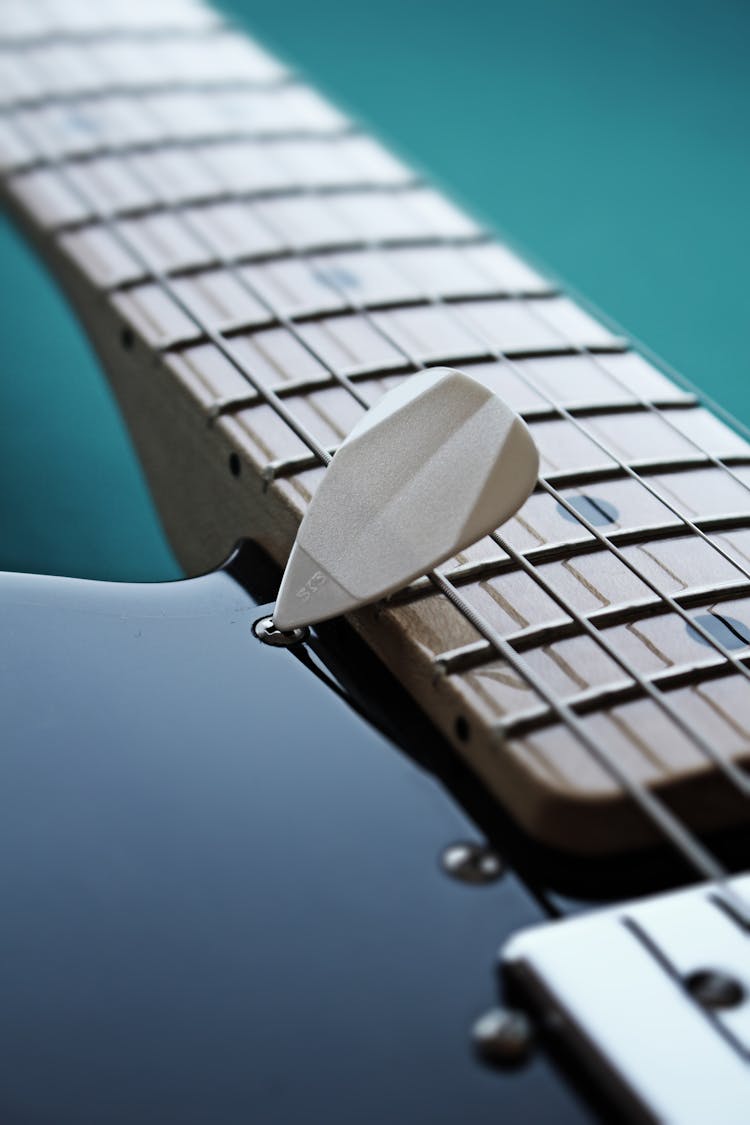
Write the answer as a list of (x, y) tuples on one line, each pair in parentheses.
[(654, 996)]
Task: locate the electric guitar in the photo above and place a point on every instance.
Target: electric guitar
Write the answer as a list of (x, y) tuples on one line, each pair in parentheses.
[(475, 851)]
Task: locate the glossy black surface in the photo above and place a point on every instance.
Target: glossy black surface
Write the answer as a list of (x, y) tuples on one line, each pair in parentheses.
[(221, 892)]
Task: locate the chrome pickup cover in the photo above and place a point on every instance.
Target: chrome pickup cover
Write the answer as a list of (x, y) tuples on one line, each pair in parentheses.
[(622, 987)]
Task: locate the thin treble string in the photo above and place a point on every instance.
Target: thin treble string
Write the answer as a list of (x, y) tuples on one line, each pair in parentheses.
[(727, 767), (498, 354), (585, 351), (181, 212), (687, 846), (108, 219), (599, 362)]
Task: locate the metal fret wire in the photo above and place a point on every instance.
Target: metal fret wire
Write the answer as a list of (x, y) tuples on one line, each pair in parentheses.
[(138, 93), (30, 104), (137, 148), (557, 408), (726, 766), (179, 210), (84, 37), (688, 845)]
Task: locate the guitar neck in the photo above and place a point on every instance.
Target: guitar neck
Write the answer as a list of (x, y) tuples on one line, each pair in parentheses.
[(255, 272)]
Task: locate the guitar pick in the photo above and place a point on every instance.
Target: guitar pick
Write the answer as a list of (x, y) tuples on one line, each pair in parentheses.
[(436, 464)]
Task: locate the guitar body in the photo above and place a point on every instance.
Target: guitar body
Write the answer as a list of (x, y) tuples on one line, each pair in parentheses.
[(222, 888)]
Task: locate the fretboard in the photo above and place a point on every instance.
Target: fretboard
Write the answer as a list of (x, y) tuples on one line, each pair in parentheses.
[(255, 272)]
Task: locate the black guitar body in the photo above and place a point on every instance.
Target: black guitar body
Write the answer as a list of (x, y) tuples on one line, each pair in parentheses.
[(222, 893)]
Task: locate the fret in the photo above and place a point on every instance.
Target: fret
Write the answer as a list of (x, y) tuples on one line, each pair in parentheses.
[(175, 123), (708, 432), (560, 761), (636, 437), (683, 563), (357, 218), (25, 22), (566, 455), (425, 336), (15, 150), (658, 643), (166, 245), (350, 345), (697, 699), (100, 257), (737, 545), (301, 287), (55, 203), (707, 491), (214, 297), (667, 752), (240, 232), (288, 110), (49, 72), (311, 164), (573, 668), (709, 605), (559, 325), (119, 183), (565, 449), (85, 127), (489, 559), (273, 356), (225, 57), (17, 83), (488, 263), (511, 325), (181, 178), (58, 69), (209, 378), (592, 583), (575, 380), (328, 413)]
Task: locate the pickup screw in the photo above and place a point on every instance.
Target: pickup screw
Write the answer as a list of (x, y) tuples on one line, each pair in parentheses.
[(714, 989), (476, 864), (502, 1037), (266, 631)]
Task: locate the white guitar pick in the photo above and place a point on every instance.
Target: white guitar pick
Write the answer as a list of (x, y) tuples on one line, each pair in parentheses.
[(436, 464)]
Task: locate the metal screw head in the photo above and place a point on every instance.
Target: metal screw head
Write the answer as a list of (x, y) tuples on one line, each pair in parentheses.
[(714, 989), (502, 1037), (266, 631), (476, 864)]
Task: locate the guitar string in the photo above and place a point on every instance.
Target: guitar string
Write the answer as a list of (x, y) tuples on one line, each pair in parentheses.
[(685, 843), (726, 766), (288, 322), (74, 97), (694, 625)]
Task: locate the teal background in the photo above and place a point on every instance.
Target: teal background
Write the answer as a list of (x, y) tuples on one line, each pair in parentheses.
[(610, 140)]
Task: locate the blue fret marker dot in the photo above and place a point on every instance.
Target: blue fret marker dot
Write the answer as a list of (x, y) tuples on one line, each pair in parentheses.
[(596, 511), (728, 631), (338, 277)]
